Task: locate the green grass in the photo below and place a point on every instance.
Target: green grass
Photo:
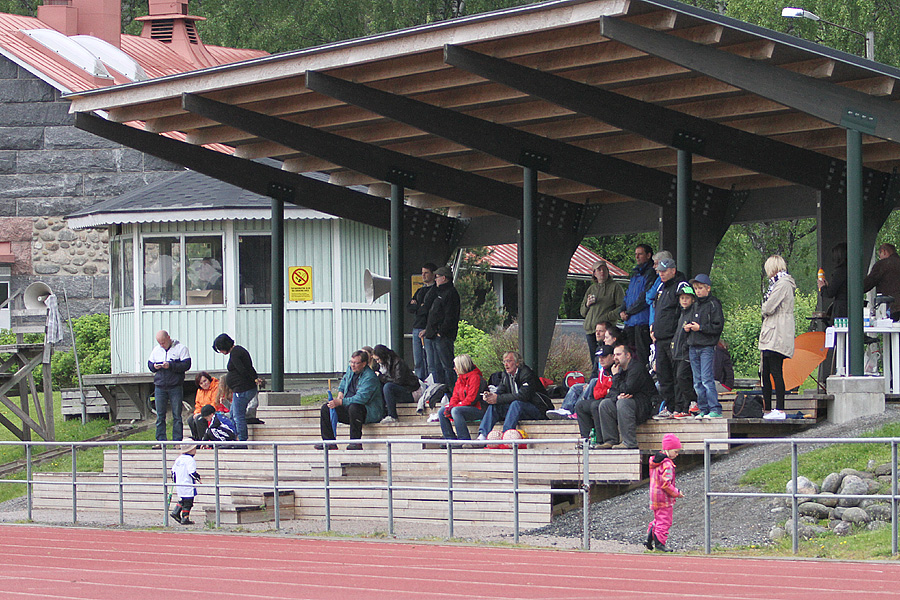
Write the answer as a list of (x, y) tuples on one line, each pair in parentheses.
[(313, 399), (817, 464)]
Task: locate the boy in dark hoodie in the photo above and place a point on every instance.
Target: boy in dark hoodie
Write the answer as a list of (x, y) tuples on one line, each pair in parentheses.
[(706, 326), (684, 380)]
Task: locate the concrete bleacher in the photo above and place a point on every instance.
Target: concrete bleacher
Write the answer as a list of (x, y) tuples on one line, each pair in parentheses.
[(246, 476)]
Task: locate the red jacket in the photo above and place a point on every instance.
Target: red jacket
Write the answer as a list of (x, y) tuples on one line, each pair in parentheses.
[(465, 393), (662, 483)]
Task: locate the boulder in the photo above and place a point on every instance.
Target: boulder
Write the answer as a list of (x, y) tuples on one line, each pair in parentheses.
[(876, 525), (874, 486), (854, 514), (829, 502), (884, 469), (842, 528), (879, 512), (814, 509), (804, 486), (776, 533), (860, 474), (832, 482), (853, 486), (838, 512), (808, 531)]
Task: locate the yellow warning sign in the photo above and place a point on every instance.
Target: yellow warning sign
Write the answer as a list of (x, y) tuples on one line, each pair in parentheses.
[(415, 283), (300, 284)]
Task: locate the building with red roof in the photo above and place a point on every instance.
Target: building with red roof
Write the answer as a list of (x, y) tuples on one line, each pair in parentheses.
[(48, 168)]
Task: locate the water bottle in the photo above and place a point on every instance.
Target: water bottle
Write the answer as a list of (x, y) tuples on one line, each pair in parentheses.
[(593, 436)]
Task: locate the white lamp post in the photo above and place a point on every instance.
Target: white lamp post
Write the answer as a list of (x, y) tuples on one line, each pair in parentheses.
[(799, 13)]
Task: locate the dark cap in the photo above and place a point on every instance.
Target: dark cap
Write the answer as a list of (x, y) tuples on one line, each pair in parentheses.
[(685, 288), (701, 278), (666, 263), (604, 350), (207, 410), (445, 272)]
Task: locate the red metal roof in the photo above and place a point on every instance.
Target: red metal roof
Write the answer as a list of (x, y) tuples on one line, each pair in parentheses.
[(155, 57), (506, 256)]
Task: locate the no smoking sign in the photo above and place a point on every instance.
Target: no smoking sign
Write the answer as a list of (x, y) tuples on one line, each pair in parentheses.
[(300, 284)]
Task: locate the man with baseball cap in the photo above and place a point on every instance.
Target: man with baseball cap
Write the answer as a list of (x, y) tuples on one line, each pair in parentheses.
[(584, 391), (665, 323), (441, 327)]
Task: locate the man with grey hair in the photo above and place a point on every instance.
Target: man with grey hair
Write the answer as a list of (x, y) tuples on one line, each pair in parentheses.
[(517, 397), (168, 362)]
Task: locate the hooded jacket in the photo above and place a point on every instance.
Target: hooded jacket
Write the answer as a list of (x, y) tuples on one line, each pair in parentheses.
[(609, 296), (777, 331), (635, 303), (707, 312), (443, 316)]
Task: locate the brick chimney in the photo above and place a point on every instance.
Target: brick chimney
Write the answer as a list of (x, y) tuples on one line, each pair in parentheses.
[(170, 23), (99, 18)]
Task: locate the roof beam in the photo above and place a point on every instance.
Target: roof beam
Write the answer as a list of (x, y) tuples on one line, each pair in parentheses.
[(270, 181), (513, 145), (663, 125), (832, 103), (382, 164)]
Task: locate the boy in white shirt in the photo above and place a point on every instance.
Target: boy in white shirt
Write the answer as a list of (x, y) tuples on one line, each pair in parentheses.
[(184, 474)]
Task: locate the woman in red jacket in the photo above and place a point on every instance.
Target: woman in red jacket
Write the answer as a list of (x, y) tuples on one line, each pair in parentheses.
[(465, 403)]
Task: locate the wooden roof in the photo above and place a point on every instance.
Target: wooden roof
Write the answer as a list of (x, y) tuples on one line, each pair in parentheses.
[(797, 146)]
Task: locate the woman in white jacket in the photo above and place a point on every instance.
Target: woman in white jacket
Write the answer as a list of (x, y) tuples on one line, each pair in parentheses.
[(776, 338)]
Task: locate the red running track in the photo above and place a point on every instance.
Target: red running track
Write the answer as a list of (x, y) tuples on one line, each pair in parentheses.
[(71, 563)]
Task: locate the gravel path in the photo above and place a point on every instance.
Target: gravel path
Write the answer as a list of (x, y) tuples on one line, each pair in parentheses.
[(735, 521), (617, 524)]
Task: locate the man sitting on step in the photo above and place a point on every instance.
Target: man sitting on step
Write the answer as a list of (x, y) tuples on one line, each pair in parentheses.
[(358, 401), (517, 397), (629, 402)]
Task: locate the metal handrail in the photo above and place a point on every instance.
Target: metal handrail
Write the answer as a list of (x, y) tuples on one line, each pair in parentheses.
[(795, 443), (276, 485)]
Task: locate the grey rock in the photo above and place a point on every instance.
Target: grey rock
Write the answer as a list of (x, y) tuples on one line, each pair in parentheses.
[(25, 90), (814, 509), (43, 186), (876, 525), (879, 512), (776, 533), (804, 486), (884, 469), (63, 138), (855, 514), (67, 235), (68, 161), (838, 513), (22, 138), (860, 474), (842, 528), (8, 69), (829, 502), (852, 485), (45, 269), (18, 114), (779, 510), (874, 486), (807, 532)]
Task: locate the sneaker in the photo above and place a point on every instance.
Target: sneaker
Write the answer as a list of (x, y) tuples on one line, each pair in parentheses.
[(700, 415), (434, 417), (774, 415), (322, 446), (694, 409), (623, 447), (481, 437), (354, 446), (176, 516), (681, 415), (713, 415), (574, 416), (603, 446), (662, 416), (558, 414), (388, 419)]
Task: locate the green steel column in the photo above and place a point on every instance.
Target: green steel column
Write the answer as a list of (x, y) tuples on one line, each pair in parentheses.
[(397, 269), (528, 324), (855, 270), (683, 219), (277, 294)]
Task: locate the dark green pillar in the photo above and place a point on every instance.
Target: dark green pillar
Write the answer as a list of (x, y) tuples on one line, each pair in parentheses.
[(397, 344), (277, 294), (528, 324), (855, 268), (683, 209)]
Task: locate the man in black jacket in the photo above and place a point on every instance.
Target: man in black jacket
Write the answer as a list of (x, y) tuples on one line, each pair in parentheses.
[(516, 397), (419, 306), (665, 323), (629, 402), (441, 328)]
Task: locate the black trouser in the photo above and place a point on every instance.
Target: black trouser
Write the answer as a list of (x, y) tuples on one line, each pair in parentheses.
[(353, 415), (592, 350), (684, 387), (638, 337), (588, 411), (772, 365), (198, 426), (665, 373)]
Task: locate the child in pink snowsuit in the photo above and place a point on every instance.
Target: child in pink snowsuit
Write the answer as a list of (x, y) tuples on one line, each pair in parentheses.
[(663, 492)]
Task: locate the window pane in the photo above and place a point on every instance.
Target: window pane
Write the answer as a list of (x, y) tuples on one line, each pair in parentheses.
[(128, 272), (115, 281), (255, 257), (203, 261), (162, 281)]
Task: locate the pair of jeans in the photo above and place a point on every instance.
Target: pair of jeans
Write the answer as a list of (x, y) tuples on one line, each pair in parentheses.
[(702, 365), (511, 414), (439, 352), (393, 394), (420, 357), (165, 396), (239, 403), (460, 415), (579, 391)]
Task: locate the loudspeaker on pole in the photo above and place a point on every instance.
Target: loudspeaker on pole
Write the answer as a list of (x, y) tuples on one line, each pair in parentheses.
[(375, 285)]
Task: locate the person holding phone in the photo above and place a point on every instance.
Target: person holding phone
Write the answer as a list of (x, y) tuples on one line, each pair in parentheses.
[(169, 361)]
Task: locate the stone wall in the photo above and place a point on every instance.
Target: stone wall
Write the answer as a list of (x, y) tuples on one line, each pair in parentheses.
[(49, 169)]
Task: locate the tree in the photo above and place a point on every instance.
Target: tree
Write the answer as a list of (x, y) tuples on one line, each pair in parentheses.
[(478, 300)]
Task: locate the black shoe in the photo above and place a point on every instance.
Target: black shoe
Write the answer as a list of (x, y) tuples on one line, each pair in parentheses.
[(650, 539), (255, 421), (186, 521), (176, 515), (322, 446), (156, 447), (354, 447), (660, 546)]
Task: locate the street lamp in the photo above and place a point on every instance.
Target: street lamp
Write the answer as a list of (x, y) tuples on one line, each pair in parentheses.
[(799, 13)]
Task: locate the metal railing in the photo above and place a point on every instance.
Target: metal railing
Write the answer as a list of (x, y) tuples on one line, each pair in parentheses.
[(276, 485), (794, 496)]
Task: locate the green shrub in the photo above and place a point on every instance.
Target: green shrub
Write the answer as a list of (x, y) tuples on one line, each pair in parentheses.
[(742, 326), (479, 345), (94, 356), (567, 353)]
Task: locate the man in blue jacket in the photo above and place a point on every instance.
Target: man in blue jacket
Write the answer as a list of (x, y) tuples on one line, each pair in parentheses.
[(358, 401), (635, 311), (168, 362)]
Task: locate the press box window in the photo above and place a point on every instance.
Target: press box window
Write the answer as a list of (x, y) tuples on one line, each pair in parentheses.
[(255, 262)]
